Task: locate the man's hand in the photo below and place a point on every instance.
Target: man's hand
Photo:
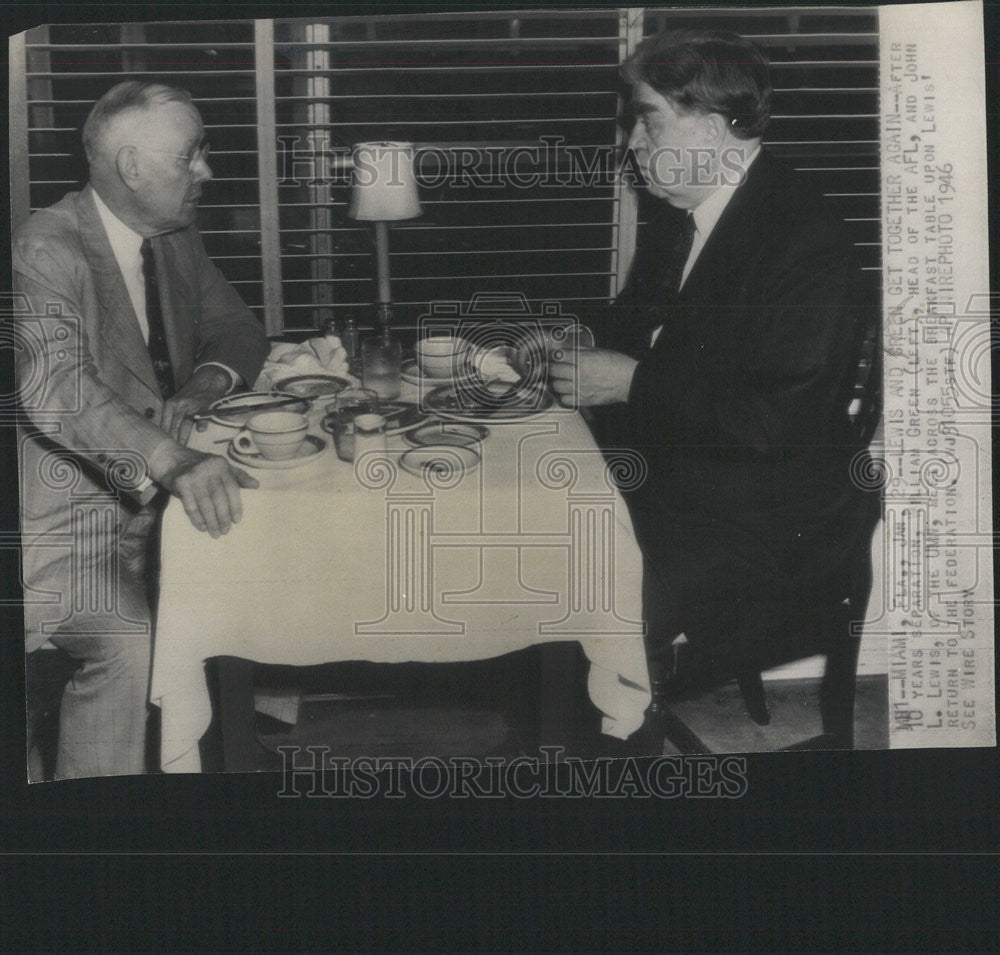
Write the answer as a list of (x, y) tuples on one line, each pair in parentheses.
[(592, 376), (206, 385), (208, 486)]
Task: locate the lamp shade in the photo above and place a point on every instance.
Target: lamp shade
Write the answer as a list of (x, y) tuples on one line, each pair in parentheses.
[(385, 187)]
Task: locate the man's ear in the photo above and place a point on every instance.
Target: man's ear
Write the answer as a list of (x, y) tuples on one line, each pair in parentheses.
[(716, 126), (127, 164)]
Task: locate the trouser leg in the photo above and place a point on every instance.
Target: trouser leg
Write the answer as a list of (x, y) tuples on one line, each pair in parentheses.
[(662, 625), (102, 720)]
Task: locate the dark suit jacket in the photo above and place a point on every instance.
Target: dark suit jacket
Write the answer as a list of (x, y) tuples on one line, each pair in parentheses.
[(87, 385), (740, 410)]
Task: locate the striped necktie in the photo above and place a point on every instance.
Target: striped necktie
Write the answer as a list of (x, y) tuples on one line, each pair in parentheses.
[(157, 344)]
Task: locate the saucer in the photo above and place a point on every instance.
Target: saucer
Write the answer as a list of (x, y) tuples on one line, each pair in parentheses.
[(310, 448), (252, 398), (440, 462), (412, 374), (449, 433)]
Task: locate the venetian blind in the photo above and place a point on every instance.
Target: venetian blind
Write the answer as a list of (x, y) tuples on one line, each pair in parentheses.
[(515, 116)]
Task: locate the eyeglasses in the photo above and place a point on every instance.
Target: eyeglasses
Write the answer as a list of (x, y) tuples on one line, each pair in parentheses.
[(198, 153)]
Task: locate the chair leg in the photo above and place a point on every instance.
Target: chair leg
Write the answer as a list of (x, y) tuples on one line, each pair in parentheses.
[(836, 695), (752, 687), (236, 715), (837, 692)]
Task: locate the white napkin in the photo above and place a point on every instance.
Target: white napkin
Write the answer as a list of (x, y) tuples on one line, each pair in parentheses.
[(323, 355), (494, 364)]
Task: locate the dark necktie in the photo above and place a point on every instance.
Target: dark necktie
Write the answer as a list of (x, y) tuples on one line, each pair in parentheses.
[(679, 252), (669, 287), (157, 344)]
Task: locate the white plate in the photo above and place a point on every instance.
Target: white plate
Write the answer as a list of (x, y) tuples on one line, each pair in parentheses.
[(311, 447), (439, 462), (456, 404), (252, 398), (312, 386), (412, 417), (448, 433)]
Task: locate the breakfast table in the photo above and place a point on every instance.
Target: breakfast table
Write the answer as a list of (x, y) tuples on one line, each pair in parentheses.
[(526, 542)]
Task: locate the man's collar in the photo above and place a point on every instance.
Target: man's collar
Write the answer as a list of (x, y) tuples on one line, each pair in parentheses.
[(123, 239), (706, 214)]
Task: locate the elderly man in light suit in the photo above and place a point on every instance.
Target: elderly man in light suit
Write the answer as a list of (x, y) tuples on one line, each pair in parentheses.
[(131, 328)]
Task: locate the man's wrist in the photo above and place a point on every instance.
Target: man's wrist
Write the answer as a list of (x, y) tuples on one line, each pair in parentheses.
[(165, 459), (628, 377)]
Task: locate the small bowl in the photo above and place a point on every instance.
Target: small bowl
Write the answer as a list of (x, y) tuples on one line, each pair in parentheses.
[(445, 462), (447, 433), (442, 357)]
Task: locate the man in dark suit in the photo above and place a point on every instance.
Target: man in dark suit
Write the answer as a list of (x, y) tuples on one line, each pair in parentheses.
[(729, 363), (130, 329)]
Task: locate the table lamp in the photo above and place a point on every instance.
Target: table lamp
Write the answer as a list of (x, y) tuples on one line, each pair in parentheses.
[(384, 190)]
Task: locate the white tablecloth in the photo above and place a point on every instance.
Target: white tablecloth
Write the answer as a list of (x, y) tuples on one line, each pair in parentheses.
[(337, 562)]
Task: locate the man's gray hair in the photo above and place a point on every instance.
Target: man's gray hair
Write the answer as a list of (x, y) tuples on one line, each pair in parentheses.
[(130, 95)]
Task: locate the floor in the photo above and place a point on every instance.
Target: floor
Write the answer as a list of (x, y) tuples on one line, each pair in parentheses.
[(719, 720), (487, 708), (409, 713)]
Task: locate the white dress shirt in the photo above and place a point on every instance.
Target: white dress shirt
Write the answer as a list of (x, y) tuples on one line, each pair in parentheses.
[(706, 216), (126, 244)]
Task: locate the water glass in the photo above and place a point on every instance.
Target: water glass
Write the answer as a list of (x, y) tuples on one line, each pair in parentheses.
[(381, 363), (369, 434), (349, 405)]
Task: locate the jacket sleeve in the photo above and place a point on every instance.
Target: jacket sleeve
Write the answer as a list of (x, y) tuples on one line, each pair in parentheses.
[(59, 388), (228, 333)]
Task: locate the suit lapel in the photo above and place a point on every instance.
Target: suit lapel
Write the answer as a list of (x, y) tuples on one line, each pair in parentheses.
[(714, 282), (725, 251), (119, 326)]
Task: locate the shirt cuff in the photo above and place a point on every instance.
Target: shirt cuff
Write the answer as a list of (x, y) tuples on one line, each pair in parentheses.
[(234, 379)]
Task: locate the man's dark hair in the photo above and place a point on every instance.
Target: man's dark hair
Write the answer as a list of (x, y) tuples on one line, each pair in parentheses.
[(707, 71)]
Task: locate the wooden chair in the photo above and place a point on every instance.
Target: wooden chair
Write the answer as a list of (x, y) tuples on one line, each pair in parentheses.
[(836, 635), (836, 631)]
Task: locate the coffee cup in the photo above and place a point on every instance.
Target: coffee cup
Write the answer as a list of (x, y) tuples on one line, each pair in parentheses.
[(275, 435), (442, 356)]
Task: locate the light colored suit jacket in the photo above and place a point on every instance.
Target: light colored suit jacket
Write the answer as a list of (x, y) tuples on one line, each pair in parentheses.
[(90, 399)]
